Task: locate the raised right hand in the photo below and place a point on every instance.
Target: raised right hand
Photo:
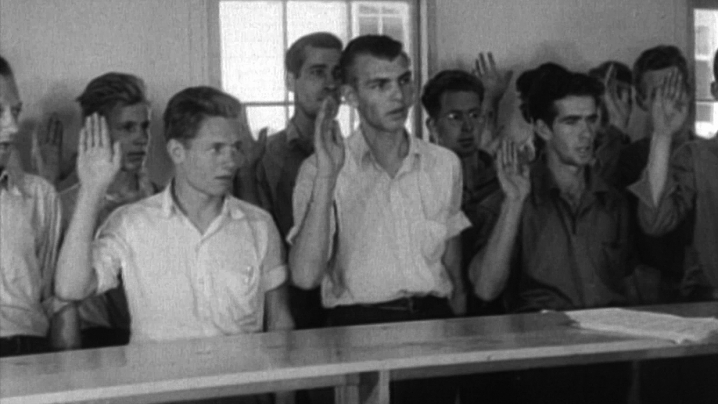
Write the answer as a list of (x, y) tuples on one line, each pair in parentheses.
[(514, 176), (669, 110), (98, 160), (328, 141)]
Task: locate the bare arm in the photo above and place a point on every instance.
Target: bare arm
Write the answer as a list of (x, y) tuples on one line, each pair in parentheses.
[(276, 302), (490, 268), (495, 84), (452, 262), (98, 162), (668, 114), (65, 329), (309, 254)]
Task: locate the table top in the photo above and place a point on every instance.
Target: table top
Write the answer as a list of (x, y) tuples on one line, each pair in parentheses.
[(319, 357)]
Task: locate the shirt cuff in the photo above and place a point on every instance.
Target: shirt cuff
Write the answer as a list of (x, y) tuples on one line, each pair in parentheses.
[(642, 190), (54, 305), (274, 278)]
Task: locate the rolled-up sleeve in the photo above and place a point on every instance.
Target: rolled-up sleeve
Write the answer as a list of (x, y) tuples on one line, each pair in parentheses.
[(677, 198), (110, 252)]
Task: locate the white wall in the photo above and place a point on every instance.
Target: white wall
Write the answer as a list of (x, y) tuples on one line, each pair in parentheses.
[(577, 33), (57, 46)]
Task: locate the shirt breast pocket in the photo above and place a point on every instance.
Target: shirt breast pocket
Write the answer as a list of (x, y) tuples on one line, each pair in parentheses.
[(235, 294)]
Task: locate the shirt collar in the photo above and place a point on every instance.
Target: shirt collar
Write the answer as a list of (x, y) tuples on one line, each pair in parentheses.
[(13, 179), (359, 147), (544, 184), (230, 208)]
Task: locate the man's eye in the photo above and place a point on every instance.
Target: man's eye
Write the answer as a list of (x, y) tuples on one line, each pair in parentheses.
[(475, 115)]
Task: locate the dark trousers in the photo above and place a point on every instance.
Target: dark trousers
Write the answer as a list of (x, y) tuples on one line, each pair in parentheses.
[(436, 390), (101, 337), (23, 345), (608, 383), (692, 380)]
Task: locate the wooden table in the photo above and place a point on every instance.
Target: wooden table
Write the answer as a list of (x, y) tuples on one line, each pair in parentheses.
[(358, 361)]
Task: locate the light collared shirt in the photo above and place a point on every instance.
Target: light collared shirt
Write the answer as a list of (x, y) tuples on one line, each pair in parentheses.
[(391, 233), (181, 283), (29, 237)]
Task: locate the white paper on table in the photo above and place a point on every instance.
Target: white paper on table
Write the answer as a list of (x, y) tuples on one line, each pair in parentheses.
[(646, 324)]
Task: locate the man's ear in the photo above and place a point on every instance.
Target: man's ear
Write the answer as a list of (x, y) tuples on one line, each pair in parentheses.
[(349, 95), (176, 151), (290, 81), (714, 89), (433, 133), (543, 130)]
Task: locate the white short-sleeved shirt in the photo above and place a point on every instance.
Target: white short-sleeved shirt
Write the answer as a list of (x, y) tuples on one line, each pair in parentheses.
[(183, 284), (29, 236), (392, 232)]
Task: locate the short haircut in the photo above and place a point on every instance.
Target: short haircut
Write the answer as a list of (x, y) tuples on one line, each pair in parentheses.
[(558, 85), (658, 58), (109, 90), (187, 109), (378, 46), (5, 69), (449, 81), (528, 79), (622, 71), (297, 53)]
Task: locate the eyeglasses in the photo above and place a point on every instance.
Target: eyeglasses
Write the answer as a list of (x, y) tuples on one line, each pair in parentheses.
[(458, 118)]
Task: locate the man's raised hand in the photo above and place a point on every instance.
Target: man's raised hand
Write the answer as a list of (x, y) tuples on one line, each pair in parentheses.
[(669, 109), (98, 160), (514, 175), (46, 149), (618, 103), (495, 82), (328, 141)]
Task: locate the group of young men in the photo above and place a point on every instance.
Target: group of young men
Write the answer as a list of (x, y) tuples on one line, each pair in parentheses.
[(378, 226)]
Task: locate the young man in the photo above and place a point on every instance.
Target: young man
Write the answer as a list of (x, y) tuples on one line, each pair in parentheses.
[(195, 261), (561, 241), (311, 63), (680, 186), (120, 99), (32, 320), (377, 219)]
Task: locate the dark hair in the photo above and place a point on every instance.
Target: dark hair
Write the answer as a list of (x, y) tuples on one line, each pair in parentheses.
[(557, 85), (187, 109), (105, 92), (449, 81), (622, 71), (297, 53), (657, 58), (529, 78), (715, 65), (5, 69), (379, 46)]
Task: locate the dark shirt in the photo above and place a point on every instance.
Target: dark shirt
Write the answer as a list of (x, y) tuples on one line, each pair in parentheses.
[(566, 259), (691, 192), (277, 174), (610, 142)]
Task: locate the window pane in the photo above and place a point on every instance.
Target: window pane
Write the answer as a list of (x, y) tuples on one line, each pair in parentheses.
[(704, 77), (368, 25), (304, 17), (261, 116), (252, 50), (393, 27)]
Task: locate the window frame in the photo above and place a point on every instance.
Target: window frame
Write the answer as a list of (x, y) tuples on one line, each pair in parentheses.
[(420, 48), (694, 5)]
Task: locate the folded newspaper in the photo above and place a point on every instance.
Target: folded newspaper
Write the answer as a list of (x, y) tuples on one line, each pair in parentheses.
[(646, 324)]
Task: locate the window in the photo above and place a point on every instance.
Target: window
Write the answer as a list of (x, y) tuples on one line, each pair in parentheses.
[(706, 43), (254, 36)]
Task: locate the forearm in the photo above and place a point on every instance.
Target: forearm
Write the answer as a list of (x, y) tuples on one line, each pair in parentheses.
[(75, 279), (65, 329), (490, 267), (310, 251), (277, 309), (657, 168)]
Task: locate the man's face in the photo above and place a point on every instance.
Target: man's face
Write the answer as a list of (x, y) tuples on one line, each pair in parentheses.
[(459, 122), (571, 136), (129, 125), (383, 92), (209, 161), (10, 107), (316, 79), (651, 82)]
